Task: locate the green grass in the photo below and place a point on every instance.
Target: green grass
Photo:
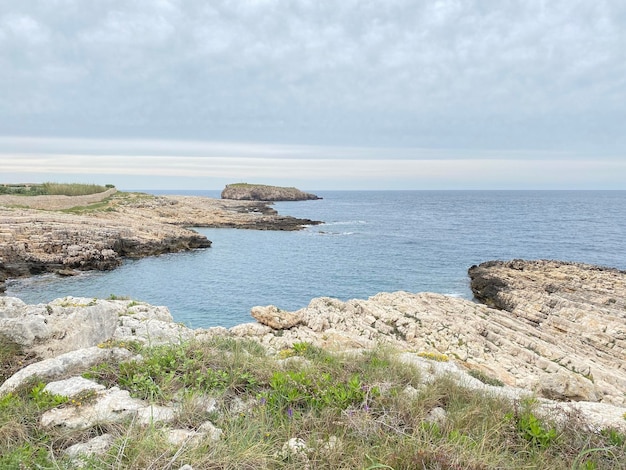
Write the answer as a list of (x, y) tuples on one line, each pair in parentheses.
[(351, 410), (54, 189)]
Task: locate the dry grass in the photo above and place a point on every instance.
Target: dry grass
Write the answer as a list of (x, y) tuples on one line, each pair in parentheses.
[(351, 411)]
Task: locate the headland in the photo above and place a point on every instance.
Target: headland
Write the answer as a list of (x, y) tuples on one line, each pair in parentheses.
[(65, 233)]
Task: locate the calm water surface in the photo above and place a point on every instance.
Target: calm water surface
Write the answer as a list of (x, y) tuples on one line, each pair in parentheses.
[(372, 241)]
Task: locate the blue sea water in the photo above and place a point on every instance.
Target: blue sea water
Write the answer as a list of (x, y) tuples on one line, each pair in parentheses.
[(372, 241)]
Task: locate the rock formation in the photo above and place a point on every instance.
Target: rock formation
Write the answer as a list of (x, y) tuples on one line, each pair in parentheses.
[(558, 329), (261, 192), (124, 226)]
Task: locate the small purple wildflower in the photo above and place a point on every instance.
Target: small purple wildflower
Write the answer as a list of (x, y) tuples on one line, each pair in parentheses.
[(289, 413), (263, 401)]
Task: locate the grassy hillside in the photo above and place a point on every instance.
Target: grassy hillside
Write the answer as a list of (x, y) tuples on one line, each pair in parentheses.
[(53, 189), (359, 411)]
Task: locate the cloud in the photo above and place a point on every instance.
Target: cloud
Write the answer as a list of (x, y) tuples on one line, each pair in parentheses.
[(439, 74), (359, 94)]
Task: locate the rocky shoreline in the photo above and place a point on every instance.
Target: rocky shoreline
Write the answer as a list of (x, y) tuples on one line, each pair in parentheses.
[(576, 353), (99, 235)]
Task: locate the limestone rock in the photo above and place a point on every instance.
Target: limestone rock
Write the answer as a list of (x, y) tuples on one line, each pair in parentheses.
[(437, 416), (262, 192), (109, 406), (73, 323), (99, 445), (275, 318), (504, 345), (210, 430), (207, 430), (112, 406), (73, 386), (295, 448), (564, 386), (579, 308), (53, 368)]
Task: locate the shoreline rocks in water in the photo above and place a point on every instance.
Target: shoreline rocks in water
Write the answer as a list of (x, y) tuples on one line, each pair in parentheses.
[(125, 225), (262, 192)]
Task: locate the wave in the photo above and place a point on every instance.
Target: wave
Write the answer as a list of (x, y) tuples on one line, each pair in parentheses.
[(323, 232), (346, 222)]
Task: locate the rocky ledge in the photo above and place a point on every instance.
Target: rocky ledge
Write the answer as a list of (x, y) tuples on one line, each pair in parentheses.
[(261, 192), (558, 329), (574, 359), (124, 225)]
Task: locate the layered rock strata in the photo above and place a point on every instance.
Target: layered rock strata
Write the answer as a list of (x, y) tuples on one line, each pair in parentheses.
[(262, 192), (124, 226), (559, 328)]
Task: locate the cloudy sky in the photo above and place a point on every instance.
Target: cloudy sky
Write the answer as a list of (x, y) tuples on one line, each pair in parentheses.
[(321, 94)]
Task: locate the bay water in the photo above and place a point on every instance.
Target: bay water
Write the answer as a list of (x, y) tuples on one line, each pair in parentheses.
[(371, 241)]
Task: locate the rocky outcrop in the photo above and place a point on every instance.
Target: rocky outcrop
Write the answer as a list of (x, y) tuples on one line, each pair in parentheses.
[(128, 226), (262, 192), (576, 313), (494, 342), (556, 328)]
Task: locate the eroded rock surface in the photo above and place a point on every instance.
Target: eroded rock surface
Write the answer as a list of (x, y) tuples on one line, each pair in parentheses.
[(262, 192), (576, 312), (559, 329)]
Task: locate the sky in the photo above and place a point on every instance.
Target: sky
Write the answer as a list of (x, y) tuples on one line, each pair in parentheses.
[(318, 94)]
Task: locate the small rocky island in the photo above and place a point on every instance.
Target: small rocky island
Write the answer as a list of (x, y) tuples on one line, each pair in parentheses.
[(262, 192)]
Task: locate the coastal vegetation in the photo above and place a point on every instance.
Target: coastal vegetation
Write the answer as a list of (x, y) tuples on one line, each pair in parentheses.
[(304, 407), (53, 189)]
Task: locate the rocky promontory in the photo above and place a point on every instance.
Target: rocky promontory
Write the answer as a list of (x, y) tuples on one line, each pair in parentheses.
[(553, 327), (101, 234), (262, 192)]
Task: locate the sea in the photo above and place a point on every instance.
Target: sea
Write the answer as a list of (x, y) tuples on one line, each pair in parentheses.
[(370, 242)]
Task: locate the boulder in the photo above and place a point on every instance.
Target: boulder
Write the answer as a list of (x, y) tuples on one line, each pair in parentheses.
[(276, 318), (566, 387), (57, 367), (99, 445)]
